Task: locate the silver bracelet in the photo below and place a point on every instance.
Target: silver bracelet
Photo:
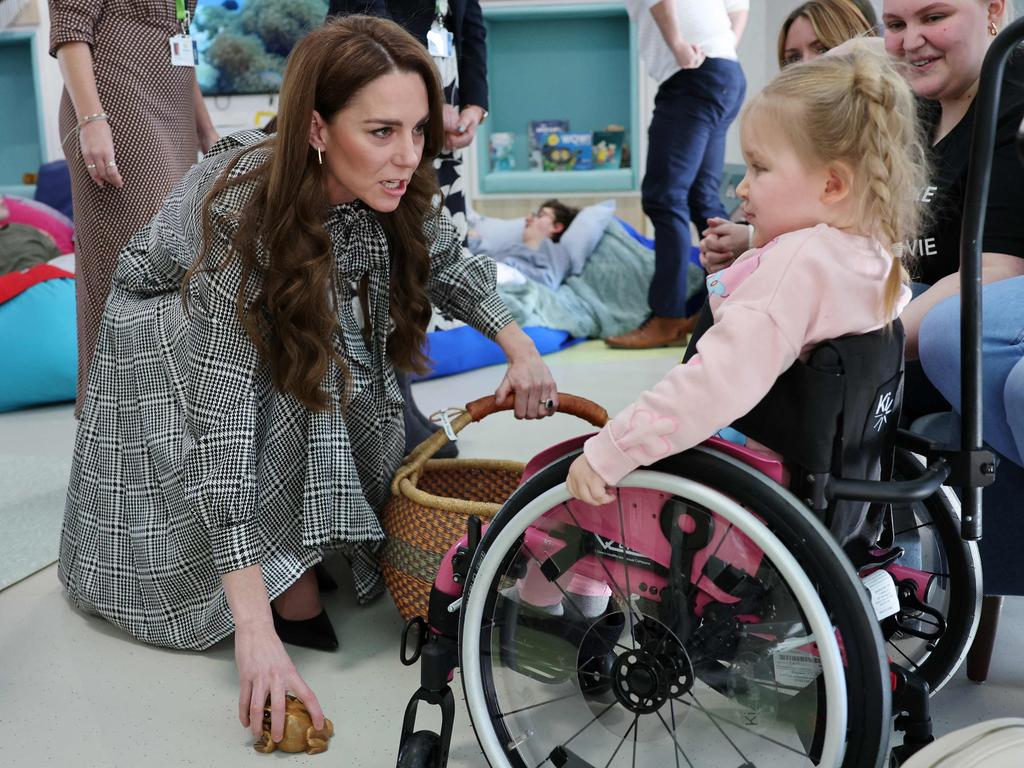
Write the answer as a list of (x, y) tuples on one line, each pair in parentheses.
[(92, 119), (85, 121)]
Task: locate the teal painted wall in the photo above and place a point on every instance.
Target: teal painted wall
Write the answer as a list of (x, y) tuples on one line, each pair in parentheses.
[(20, 135)]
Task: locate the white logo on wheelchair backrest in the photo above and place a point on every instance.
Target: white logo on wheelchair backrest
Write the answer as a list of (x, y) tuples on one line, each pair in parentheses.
[(612, 547), (886, 404)]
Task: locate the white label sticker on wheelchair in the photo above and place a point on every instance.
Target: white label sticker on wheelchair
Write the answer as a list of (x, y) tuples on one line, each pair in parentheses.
[(796, 669), (884, 597)]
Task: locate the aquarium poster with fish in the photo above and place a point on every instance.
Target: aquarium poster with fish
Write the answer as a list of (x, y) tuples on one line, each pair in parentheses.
[(243, 44)]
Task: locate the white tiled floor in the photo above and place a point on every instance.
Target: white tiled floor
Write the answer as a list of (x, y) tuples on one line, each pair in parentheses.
[(75, 691)]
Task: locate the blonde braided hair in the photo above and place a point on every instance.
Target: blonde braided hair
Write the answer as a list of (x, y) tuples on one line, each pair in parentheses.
[(856, 108)]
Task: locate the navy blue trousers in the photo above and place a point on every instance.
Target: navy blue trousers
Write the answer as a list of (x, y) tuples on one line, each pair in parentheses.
[(685, 154)]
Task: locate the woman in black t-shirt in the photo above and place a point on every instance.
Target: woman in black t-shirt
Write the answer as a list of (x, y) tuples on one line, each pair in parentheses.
[(945, 45)]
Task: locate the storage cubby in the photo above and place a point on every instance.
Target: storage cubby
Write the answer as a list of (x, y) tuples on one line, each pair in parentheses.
[(574, 62)]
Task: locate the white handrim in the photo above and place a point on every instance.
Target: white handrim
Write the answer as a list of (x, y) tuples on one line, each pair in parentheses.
[(796, 580)]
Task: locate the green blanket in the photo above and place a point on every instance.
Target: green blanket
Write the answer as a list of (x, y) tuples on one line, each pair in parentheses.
[(608, 298)]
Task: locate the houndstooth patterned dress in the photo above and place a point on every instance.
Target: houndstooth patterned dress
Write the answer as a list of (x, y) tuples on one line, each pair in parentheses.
[(188, 463)]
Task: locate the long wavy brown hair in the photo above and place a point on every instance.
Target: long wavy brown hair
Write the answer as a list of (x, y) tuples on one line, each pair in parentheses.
[(285, 251)]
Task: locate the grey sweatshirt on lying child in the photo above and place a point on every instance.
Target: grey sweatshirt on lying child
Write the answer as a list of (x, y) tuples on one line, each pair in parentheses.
[(548, 265)]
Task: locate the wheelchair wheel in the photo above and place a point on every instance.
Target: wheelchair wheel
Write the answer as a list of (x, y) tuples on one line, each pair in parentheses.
[(740, 636), (939, 616), (419, 750)]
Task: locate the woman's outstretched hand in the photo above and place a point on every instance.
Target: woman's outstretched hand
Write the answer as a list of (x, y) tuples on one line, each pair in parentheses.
[(265, 670)]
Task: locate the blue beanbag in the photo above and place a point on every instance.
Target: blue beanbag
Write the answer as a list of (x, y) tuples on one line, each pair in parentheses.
[(38, 349), (464, 348)]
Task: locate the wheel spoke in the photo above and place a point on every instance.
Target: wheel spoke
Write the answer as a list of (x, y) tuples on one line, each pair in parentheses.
[(535, 706), (672, 712), (589, 723), (914, 528), (715, 718), (635, 732), (625, 566), (721, 730), (565, 594), (623, 740), (920, 620), (672, 735), (899, 650), (611, 579)]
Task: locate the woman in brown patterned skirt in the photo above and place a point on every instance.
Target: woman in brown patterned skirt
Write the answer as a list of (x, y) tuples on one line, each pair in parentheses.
[(131, 123)]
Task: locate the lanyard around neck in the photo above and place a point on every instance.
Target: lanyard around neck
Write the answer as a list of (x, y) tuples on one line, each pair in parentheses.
[(182, 15), (440, 10)]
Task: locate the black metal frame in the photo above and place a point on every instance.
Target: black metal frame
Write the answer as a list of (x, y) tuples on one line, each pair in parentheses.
[(979, 173)]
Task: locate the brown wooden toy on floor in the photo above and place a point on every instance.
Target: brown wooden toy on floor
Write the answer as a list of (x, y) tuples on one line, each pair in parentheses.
[(299, 733)]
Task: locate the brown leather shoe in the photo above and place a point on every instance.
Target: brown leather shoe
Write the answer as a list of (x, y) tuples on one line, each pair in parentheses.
[(656, 332)]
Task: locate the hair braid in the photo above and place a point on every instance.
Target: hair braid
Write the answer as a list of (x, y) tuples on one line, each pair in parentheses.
[(891, 157)]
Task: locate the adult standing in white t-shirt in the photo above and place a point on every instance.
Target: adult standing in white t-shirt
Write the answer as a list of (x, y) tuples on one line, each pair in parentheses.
[(689, 48)]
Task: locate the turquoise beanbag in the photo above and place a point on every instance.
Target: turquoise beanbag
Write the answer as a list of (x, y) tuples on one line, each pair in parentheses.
[(38, 349)]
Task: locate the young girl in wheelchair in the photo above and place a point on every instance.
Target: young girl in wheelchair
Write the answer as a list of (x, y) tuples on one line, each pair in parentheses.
[(833, 163), (699, 612), (657, 605)]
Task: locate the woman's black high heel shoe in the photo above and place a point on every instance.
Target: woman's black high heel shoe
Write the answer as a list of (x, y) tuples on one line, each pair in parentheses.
[(317, 632)]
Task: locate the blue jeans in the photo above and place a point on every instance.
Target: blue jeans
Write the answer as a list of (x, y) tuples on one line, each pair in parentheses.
[(686, 151), (1002, 356)]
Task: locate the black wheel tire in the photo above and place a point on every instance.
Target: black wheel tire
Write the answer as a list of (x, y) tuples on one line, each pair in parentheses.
[(419, 750), (869, 696)]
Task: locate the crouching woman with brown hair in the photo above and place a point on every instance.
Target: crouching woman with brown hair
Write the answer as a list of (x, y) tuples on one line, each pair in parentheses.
[(242, 414)]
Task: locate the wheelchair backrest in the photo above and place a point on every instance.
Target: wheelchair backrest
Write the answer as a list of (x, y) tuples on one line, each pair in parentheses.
[(835, 414)]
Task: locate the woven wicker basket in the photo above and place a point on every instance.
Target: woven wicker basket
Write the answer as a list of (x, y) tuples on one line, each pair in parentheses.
[(432, 500)]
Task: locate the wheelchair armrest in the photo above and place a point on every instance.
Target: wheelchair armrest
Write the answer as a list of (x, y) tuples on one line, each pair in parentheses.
[(918, 489), (912, 441), (975, 469)]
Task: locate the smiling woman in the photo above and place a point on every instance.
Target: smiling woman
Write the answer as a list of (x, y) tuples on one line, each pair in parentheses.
[(943, 45), (242, 415)]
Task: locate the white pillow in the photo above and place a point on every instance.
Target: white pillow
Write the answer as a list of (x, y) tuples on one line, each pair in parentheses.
[(586, 230), (497, 235)]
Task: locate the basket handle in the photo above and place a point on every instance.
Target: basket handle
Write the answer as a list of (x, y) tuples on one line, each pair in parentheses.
[(573, 405)]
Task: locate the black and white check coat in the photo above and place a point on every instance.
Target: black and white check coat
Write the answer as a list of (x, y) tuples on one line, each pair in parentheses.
[(188, 463)]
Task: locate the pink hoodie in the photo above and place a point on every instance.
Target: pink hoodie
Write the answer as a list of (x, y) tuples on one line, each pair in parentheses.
[(771, 306)]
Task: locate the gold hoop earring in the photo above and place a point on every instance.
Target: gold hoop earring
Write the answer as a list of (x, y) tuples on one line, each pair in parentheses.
[(992, 28), (319, 156)]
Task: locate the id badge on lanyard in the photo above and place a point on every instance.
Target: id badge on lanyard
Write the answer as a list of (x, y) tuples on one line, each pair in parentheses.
[(440, 42), (183, 47)]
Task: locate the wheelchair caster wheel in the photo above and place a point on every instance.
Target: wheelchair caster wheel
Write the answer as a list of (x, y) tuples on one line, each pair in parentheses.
[(419, 750)]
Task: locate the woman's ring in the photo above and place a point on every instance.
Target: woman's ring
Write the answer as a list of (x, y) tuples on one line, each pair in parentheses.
[(90, 166), (549, 403), (110, 164)]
